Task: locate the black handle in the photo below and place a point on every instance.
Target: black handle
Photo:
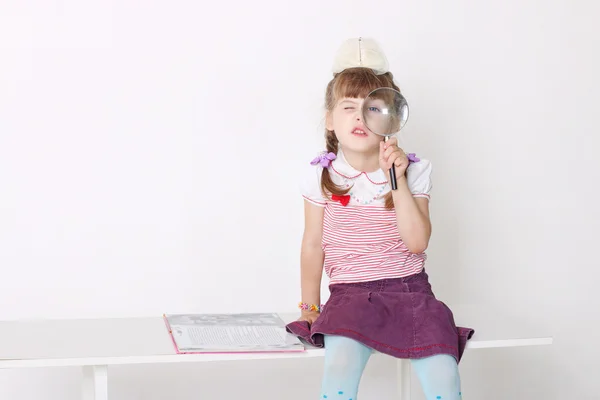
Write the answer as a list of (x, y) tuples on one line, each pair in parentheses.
[(392, 172)]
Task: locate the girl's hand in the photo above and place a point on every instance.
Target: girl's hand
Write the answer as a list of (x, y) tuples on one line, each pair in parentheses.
[(309, 316), (390, 154)]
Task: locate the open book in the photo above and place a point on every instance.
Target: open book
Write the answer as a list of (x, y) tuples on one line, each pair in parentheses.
[(230, 333)]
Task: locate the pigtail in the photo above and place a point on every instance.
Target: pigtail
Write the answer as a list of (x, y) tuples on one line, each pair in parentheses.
[(328, 187), (389, 200)]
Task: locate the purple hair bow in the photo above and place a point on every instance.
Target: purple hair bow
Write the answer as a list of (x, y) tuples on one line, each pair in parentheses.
[(324, 159), (412, 157)]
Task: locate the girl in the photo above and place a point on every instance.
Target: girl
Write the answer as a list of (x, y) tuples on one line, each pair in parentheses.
[(371, 241)]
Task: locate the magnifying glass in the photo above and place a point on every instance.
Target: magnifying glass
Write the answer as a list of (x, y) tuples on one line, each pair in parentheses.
[(385, 112)]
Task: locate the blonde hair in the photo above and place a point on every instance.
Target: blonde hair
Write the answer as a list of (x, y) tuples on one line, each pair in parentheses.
[(353, 83)]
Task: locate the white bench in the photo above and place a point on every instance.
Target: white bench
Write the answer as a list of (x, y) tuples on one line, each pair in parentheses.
[(95, 344)]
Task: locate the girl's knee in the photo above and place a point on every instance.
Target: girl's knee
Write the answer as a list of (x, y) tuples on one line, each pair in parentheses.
[(439, 377), (344, 356), (345, 360)]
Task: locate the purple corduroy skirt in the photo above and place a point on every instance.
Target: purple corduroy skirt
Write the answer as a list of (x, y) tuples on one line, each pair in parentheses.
[(400, 317)]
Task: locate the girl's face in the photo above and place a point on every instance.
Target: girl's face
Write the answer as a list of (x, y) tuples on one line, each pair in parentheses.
[(346, 121)]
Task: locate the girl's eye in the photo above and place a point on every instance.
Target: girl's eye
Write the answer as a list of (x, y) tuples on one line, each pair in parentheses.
[(348, 108), (374, 109)]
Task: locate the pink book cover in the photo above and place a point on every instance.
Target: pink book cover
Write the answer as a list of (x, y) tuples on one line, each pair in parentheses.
[(269, 322)]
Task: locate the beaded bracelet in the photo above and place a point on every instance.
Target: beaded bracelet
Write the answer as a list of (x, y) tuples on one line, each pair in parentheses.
[(309, 307)]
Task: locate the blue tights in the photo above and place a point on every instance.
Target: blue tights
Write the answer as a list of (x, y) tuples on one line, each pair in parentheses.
[(345, 361)]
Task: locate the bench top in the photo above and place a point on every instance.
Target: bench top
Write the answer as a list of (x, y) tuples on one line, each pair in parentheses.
[(140, 340)]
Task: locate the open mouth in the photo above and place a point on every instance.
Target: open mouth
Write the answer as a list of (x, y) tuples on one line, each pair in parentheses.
[(359, 132)]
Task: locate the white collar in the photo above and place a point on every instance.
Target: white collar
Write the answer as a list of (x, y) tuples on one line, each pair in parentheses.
[(341, 167)]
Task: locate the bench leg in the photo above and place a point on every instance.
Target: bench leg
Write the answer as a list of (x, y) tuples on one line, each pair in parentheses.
[(403, 367), (95, 382)]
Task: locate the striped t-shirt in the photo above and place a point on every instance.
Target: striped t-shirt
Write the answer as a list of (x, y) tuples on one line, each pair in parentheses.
[(361, 241)]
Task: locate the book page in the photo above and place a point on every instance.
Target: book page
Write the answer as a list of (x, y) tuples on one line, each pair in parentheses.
[(230, 336), (231, 332)]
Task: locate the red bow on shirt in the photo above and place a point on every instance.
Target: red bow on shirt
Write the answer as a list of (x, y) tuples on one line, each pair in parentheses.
[(344, 200)]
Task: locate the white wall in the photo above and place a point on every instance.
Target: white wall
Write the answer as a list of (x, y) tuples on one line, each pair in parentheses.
[(140, 140)]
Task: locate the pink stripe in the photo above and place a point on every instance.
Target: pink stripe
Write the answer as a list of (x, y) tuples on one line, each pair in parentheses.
[(362, 243)]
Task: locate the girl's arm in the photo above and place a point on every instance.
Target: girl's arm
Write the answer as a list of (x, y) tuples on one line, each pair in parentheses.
[(312, 257), (412, 216)]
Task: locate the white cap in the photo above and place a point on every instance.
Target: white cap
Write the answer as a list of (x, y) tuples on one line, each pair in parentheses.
[(360, 52)]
